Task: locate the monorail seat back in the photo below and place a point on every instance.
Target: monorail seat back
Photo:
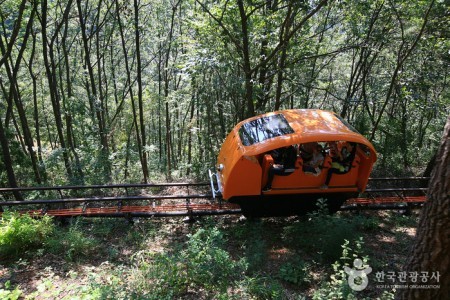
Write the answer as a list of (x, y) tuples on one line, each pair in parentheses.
[(267, 162)]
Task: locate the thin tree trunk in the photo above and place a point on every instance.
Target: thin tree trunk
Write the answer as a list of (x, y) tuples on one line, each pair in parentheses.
[(166, 93), (36, 112), (7, 162), (67, 110), (133, 105), (97, 108), (12, 75), (139, 82), (51, 77)]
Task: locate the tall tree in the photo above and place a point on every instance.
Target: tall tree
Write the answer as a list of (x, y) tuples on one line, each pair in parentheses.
[(8, 162), (50, 69), (14, 93), (96, 101), (139, 82), (430, 248)]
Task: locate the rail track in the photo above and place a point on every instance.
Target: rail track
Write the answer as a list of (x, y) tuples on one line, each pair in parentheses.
[(152, 200)]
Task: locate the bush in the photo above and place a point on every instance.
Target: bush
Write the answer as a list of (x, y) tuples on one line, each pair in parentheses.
[(259, 288), (208, 264), (20, 233), (203, 265), (367, 223), (295, 272), (73, 243), (9, 293), (337, 287), (321, 234)]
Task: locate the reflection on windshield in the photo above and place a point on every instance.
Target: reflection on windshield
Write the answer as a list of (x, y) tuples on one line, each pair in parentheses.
[(264, 128)]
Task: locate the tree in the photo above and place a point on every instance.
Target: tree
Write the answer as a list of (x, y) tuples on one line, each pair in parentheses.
[(430, 249)]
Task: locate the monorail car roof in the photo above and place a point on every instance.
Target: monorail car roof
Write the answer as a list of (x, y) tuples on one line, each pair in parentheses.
[(274, 130)]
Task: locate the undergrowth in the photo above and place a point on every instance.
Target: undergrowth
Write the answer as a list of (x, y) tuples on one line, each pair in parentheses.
[(294, 258), (21, 233)]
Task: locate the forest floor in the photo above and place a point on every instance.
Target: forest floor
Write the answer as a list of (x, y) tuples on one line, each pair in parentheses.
[(226, 257)]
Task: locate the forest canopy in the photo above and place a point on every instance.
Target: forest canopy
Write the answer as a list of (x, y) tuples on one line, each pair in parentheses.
[(104, 91)]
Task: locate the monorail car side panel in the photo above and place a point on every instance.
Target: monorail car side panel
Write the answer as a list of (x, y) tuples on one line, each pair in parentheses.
[(366, 165), (244, 179)]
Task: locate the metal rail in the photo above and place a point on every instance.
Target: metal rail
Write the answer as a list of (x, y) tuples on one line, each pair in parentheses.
[(113, 206), (154, 185), (111, 186), (105, 199)]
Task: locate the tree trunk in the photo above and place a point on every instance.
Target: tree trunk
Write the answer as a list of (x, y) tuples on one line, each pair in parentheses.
[(104, 151), (166, 93), (35, 102), (7, 162), (430, 249), (139, 82), (133, 106), (14, 92), (50, 72)]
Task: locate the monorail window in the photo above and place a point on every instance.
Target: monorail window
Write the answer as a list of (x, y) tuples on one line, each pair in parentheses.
[(264, 128)]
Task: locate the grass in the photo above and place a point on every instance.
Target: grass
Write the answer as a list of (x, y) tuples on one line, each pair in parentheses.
[(214, 258)]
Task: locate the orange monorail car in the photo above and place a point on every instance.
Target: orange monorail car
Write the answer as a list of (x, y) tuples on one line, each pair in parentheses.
[(317, 141)]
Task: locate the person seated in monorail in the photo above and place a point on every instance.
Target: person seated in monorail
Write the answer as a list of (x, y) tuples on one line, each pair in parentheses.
[(313, 166), (284, 164)]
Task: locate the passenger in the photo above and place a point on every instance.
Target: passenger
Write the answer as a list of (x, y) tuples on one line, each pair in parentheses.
[(313, 166), (284, 164), (340, 160), (306, 151)]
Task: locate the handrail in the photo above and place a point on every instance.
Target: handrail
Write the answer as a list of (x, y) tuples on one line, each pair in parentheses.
[(85, 187), (106, 199), (213, 189)]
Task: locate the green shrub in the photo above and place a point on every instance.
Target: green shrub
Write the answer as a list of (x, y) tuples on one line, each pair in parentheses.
[(296, 272), (255, 254), (20, 233), (367, 223), (321, 234), (202, 265), (73, 243), (260, 288), (337, 287), (208, 264), (9, 293)]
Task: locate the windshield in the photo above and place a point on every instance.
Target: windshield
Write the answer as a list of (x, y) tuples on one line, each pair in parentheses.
[(264, 128)]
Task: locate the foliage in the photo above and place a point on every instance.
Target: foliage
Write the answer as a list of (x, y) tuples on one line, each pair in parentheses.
[(21, 233), (366, 223), (8, 294), (321, 233), (73, 243), (88, 115), (222, 258), (296, 272), (202, 265), (337, 287)]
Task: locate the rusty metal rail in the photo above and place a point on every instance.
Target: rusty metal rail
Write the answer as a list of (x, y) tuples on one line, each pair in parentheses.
[(144, 211)]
